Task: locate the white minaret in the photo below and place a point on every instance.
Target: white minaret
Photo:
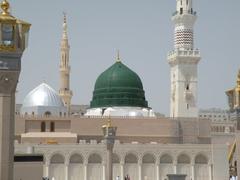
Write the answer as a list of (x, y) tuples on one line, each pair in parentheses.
[(183, 61), (65, 92)]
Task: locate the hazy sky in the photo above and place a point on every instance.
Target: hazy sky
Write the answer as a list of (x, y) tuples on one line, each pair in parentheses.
[(143, 32)]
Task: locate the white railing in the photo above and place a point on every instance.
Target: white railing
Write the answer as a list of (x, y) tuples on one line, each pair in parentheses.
[(184, 53)]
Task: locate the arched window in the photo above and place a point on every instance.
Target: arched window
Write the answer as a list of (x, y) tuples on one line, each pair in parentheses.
[(183, 159), (57, 159), (166, 159), (95, 158), (115, 159), (43, 127), (131, 158), (76, 159), (201, 159), (148, 158), (181, 10), (52, 127), (47, 113)]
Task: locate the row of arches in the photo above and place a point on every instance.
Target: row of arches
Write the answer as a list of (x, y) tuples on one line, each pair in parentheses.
[(131, 158), (92, 168)]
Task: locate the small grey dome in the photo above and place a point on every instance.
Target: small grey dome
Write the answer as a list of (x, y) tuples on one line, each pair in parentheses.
[(43, 95)]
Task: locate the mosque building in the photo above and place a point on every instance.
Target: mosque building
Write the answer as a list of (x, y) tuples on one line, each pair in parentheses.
[(147, 147)]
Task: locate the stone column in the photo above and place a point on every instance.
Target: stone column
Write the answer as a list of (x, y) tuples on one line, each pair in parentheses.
[(109, 171), (157, 171), (210, 171), (104, 171), (8, 82), (85, 165), (109, 133), (122, 170), (175, 167), (66, 170), (193, 171), (10, 58), (140, 171), (46, 170)]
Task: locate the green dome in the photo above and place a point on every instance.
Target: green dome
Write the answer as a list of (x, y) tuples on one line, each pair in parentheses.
[(118, 86)]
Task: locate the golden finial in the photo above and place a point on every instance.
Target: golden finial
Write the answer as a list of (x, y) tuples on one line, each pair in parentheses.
[(5, 7), (109, 123), (118, 56), (238, 78)]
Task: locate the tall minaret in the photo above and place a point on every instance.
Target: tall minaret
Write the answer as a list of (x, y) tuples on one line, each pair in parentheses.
[(183, 61), (65, 92)]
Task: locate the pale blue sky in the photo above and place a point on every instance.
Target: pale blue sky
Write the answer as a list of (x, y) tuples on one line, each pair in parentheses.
[(142, 31)]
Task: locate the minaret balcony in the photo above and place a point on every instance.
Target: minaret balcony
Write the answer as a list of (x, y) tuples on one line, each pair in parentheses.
[(184, 53), (65, 92), (63, 68), (184, 12)]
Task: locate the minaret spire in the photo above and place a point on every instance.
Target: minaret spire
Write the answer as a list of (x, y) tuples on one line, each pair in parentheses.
[(65, 91), (183, 61), (64, 36)]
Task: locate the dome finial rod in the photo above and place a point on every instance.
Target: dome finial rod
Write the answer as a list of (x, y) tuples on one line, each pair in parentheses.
[(118, 56)]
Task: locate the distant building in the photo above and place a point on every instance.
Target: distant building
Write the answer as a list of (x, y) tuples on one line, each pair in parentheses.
[(215, 114)]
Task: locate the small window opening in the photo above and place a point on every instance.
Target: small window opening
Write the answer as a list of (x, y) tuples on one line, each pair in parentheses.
[(181, 10), (52, 127), (43, 127), (47, 113)]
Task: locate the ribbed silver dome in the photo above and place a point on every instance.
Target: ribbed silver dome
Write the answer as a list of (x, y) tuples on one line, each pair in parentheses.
[(43, 95)]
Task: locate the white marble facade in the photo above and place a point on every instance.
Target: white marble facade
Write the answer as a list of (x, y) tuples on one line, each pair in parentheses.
[(86, 161)]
